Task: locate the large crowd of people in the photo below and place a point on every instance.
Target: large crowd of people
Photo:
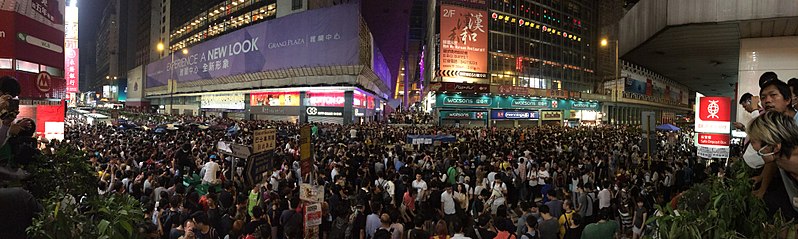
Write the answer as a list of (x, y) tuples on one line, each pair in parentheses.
[(542, 182)]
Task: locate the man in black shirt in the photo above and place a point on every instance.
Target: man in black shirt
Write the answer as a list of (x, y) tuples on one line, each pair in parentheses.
[(258, 220), (184, 162), (359, 226)]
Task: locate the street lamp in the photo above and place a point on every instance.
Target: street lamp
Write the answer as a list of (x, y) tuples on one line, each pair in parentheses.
[(160, 47), (605, 43)]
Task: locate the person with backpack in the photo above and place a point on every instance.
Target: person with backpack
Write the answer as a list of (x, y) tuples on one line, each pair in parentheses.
[(585, 202), (259, 222), (566, 217), (171, 218), (292, 219), (531, 228)]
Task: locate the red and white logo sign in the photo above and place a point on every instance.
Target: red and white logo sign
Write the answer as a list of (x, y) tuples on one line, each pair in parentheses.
[(554, 104), (713, 139), (715, 109), (713, 114), (43, 81)]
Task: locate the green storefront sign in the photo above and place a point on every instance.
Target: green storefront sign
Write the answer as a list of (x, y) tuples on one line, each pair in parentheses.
[(585, 105), (527, 103), (459, 101), (509, 102)]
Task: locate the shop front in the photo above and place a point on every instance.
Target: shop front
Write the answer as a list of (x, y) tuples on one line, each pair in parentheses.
[(514, 118), (463, 110), (275, 106), (551, 117), (325, 115), (367, 108), (513, 111), (464, 118), (227, 105), (585, 113)]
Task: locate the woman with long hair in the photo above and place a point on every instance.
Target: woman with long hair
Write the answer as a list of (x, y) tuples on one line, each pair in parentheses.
[(441, 231)]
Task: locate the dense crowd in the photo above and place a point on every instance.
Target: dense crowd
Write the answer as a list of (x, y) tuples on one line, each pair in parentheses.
[(543, 182)]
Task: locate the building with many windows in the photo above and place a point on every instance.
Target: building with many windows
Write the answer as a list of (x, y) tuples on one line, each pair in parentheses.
[(515, 62), (237, 59), (543, 44)]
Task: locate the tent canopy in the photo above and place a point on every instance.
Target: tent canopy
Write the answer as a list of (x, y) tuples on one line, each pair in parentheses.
[(668, 127)]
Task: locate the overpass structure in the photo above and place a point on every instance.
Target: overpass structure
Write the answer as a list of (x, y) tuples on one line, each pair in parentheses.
[(716, 47)]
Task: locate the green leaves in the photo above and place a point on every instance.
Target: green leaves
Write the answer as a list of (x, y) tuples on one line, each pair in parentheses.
[(719, 208), (103, 216)]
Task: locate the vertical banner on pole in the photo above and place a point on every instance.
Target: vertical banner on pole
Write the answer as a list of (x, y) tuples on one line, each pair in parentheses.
[(305, 153)]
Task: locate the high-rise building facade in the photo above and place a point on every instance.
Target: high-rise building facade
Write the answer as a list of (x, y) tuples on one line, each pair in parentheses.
[(111, 50), (192, 23), (548, 44), (514, 63)]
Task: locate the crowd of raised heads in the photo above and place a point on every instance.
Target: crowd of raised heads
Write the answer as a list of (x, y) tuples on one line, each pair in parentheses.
[(539, 182)]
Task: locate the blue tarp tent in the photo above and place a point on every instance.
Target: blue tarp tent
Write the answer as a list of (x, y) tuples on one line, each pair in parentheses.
[(668, 127)]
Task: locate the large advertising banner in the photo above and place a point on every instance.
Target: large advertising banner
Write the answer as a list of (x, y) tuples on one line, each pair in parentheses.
[(274, 99), (325, 98), (322, 37), (712, 123), (222, 101), (464, 42), (635, 86), (71, 53)]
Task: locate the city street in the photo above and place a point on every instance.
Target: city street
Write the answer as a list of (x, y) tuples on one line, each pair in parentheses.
[(401, 119)]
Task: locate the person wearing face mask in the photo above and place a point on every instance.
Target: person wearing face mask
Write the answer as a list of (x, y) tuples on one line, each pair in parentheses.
[(773, 139), (776, 97)]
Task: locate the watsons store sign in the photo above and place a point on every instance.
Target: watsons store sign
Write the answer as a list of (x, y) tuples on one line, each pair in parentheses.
[(530, 103), (321, 37), (467, 101), (507, 102)]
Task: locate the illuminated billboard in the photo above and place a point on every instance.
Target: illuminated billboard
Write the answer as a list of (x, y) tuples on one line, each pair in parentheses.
[(464, 43)]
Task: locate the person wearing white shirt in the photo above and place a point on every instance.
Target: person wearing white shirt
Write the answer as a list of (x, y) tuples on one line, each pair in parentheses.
[(420, 186), (498, 192), (447, 205), (604, 196), (543, 176), (211, 168)]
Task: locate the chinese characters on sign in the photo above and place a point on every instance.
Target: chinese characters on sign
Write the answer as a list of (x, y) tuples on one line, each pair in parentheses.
[(71, 69), (263, 140), (712, 123), (464, 40)]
